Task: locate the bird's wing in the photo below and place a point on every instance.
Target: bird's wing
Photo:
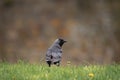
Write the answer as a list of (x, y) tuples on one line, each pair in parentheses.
[(48, 55)]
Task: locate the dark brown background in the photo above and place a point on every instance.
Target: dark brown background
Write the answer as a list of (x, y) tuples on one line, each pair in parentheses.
[(91, 27)]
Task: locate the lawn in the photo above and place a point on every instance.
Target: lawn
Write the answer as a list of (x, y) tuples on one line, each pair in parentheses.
[(26, 71)]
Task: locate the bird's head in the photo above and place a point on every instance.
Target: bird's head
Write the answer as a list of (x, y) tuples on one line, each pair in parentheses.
[(60, 41)]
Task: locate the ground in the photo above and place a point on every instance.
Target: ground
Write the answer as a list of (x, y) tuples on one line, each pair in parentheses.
[(26, 71)]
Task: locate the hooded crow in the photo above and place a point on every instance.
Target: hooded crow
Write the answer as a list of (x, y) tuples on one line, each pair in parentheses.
[(54, 53)]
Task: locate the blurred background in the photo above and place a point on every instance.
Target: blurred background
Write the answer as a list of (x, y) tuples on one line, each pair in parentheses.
[(91, 27)]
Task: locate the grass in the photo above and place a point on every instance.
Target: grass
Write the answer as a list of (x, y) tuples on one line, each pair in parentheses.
[(26, 71)]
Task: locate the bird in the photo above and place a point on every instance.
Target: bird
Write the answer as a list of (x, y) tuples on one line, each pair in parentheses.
[(54, 52)]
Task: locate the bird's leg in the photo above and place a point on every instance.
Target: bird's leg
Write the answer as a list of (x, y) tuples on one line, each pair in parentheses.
[(57, 63), (49, 63)]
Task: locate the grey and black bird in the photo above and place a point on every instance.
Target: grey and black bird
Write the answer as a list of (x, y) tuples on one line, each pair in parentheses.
[(54, 53)]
